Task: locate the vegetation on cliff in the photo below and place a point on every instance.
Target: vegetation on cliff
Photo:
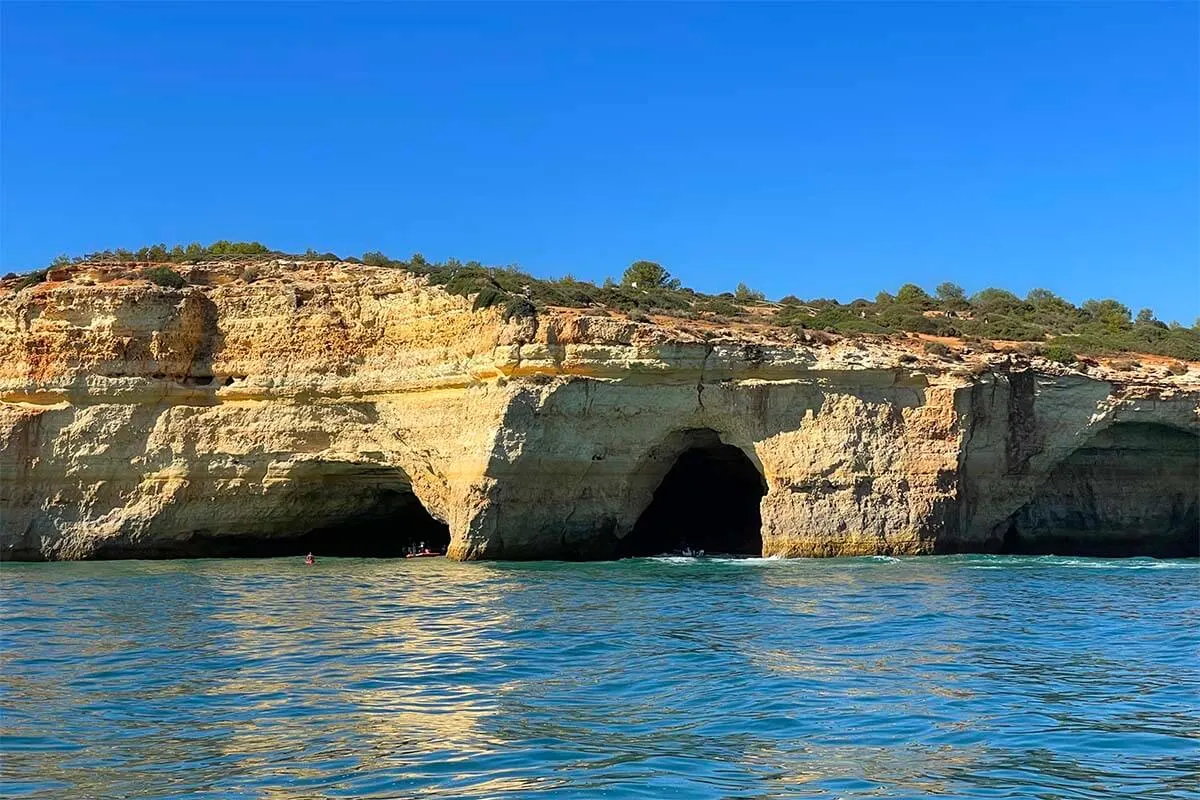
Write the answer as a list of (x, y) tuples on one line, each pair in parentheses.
[(1095, 327)]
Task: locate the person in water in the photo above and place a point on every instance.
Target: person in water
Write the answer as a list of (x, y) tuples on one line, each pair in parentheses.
[(309, 560)]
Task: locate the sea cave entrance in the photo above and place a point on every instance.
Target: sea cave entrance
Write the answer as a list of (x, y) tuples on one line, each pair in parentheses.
[(327, 508), (1133, 490), (707, 500), (389, 525)]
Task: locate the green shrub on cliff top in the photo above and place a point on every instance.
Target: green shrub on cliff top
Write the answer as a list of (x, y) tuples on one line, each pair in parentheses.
[(1059, 353), (744, 294), (375, 258), (165, 276), (33, 279), (648, 275), (487, 297), (1098, 327), (222, 249)]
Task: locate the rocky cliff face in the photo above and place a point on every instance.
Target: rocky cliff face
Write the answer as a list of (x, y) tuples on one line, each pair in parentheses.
[(351, 409)]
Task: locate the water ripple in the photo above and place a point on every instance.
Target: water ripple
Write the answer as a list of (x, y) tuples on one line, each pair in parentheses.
[(971, 677)]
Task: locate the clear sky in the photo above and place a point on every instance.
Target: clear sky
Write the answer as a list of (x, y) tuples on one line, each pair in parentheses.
[(819, 150)]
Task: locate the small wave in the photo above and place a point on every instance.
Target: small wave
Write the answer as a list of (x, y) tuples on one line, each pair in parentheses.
[(664, 559), (1079, 562), (1123, 563)]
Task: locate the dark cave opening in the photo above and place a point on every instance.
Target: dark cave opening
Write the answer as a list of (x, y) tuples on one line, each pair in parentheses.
[(387, 527), (328, 509), (1133, 490), (387, 535), (708, 500)]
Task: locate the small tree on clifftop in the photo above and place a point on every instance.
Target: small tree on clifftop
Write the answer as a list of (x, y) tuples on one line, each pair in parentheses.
[(648, 275), (744, 294), (912, 295), (951, 294)]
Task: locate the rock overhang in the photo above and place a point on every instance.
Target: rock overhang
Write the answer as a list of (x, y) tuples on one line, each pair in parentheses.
[(522, 436)]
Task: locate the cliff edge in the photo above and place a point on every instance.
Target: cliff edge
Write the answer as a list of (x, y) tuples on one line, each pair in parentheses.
[(356, 409)]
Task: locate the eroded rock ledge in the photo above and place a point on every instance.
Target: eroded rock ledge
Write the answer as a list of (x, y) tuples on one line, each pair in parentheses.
[(354, 410)]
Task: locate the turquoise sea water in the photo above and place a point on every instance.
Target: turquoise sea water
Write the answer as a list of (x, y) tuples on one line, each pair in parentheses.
[(958, 677)]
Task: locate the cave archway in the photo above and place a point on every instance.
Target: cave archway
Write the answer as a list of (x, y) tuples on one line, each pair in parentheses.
[(335, 509), (386, 526), (1133, 490), (708, 500), (349, 510)]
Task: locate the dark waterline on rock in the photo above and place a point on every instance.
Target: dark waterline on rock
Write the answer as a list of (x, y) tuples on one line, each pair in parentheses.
[(962, 677)]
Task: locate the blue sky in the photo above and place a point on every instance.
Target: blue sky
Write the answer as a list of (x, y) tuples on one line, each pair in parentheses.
[(819, 150)]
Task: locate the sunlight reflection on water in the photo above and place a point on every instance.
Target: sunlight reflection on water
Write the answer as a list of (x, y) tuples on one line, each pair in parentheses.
[(956, 676)]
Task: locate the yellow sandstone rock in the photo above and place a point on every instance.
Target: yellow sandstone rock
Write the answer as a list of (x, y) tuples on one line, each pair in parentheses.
[(137, 420)]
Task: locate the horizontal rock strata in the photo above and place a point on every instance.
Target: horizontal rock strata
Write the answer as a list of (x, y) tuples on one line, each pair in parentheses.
[(359, 410)]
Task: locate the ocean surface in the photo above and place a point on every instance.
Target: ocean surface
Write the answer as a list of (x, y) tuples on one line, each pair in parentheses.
[(950, 677)]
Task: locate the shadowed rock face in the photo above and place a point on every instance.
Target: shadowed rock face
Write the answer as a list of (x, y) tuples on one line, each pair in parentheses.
[(353, 410), (385, 526), (1131, 490), (709, 500), (334, 509)]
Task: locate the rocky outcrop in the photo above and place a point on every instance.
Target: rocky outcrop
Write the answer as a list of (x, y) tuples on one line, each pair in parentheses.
[(354, 409)]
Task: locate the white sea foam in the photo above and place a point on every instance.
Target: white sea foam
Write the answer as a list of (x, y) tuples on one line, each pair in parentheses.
[(664, 559), (1076, 562)]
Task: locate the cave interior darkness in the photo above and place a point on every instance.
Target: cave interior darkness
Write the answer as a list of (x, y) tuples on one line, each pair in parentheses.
[(1134, 490), (329, 509), (708, 500), (386, 526)]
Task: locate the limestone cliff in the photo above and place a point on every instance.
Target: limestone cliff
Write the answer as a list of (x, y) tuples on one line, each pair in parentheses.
[(356, 408)]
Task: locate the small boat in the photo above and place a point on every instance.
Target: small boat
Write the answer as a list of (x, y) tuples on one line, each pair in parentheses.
[(422, 554)]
